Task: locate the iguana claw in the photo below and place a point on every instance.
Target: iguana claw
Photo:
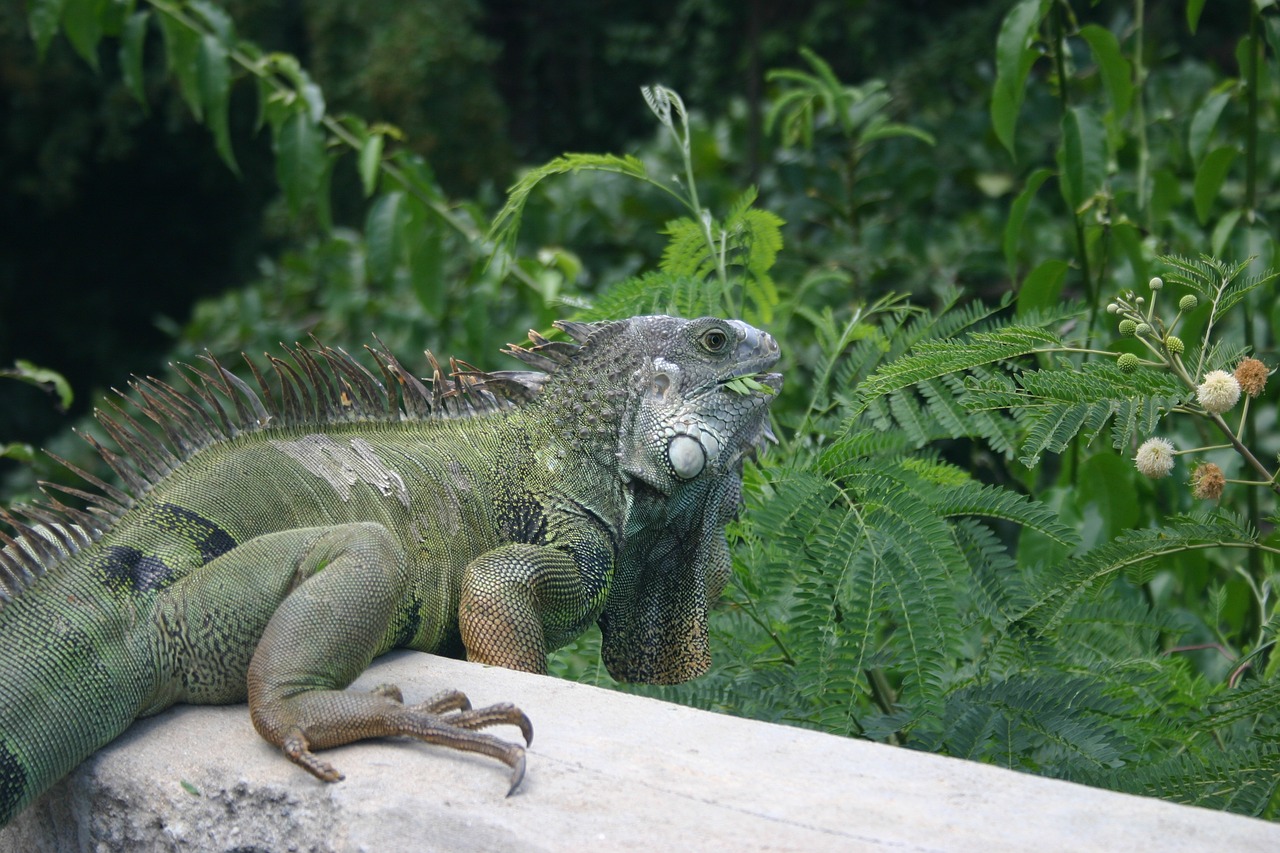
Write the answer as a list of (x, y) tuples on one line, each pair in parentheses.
[(517, 774)]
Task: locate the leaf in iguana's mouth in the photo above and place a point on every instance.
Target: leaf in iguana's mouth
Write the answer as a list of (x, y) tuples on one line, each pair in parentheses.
[(746, 385)]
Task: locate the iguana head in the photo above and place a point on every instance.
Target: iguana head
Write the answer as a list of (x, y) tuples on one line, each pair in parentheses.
[(699, 399), (691, 402)]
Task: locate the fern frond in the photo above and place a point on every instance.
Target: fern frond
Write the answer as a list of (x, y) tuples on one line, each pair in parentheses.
[(686, 252), (1250, 701), (1244, 780), (1133, 553), (976, 499), (654, 293), (1064, 722), (506, 225), (1056, 405), (932, 359)]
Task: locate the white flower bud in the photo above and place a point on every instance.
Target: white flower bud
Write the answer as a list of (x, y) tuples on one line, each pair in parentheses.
[(1155, 458), (1219, 391)]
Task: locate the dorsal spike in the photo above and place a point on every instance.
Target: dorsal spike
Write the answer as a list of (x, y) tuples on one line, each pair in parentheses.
[(297, 404), (181, 429), (576, 330), (311, 386), (367, 390), (152, 458), (135, 483), (319, 382), (116, 498)]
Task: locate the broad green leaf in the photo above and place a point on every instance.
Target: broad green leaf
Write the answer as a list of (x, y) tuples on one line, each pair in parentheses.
[(19, 452), (1117, 72), (82, 23), (1166, 194), (1104, 490), (42, 19), (1017, 214), (300, 158), (1083, 156), (1130, 240), (215, 93), (890, 129), (182, 51), (217, 19), (1202, 124), (425, 237), (1194, 8), (383, 236), (1222, 231), (41, 377), (369, 160), (1209, 179), (133, 42), (1014, 58), (1043, 286)]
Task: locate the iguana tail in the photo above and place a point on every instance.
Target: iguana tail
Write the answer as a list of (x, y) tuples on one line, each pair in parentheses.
[(69, 684)]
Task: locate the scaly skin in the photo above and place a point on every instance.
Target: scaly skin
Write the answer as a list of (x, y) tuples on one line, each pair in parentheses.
[(275, 562)]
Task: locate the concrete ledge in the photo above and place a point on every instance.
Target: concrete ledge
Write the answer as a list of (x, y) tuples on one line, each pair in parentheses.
[(607, 771)]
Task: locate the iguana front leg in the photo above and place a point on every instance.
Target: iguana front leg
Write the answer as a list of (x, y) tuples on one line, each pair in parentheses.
[(520, 601), (343, 588)]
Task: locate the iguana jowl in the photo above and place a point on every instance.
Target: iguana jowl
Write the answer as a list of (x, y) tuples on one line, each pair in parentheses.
[(276, 540)]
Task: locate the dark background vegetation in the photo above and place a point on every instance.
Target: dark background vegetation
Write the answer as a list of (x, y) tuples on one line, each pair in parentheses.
[(118, 218)]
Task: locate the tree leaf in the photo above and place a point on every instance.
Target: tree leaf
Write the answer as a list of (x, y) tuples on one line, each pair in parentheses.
[(1117, 72), (1209, 179), (215, 92), (300, 159), (382, 234), (82, 23), (1014, 58), (1222, 231), (1194, 8), (133, 41), (42, 19), (1083, 156), (368, 161), (1043, 286), (1017, 214), (43, 378), (217, 19), (1202, 124), (182, 51)]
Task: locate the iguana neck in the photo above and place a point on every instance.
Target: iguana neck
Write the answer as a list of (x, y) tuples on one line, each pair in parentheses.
[(584, 411)]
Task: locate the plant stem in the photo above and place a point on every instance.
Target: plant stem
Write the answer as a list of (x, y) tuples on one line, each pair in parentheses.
[(1139, 110)]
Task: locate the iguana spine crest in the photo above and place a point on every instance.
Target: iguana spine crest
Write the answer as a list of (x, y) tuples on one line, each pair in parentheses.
[(313, 387)]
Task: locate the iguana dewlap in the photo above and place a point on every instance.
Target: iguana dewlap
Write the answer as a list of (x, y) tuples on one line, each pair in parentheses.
[(269, 542)]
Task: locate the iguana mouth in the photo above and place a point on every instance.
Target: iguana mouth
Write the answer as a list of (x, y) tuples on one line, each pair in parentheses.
[(748, 382)]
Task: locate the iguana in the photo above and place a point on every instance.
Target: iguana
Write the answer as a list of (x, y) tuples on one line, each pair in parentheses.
[(268, 543)]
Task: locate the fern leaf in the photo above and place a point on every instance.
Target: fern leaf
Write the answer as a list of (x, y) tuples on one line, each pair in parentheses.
[(686, 252), (932, 359), (1133, 552), (976, 499), (506, 225)]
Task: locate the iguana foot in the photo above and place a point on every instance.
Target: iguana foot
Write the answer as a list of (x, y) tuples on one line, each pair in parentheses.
[(334, 718)]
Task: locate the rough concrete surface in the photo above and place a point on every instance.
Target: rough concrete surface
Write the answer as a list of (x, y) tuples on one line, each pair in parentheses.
[(606, 771)]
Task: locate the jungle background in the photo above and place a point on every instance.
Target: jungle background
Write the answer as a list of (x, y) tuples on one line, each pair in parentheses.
[(941, 210)]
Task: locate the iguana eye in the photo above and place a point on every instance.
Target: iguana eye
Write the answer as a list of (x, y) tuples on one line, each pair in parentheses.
[(715, 340)]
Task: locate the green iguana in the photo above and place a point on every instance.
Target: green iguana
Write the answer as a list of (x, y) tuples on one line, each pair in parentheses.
[(268, 544)]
